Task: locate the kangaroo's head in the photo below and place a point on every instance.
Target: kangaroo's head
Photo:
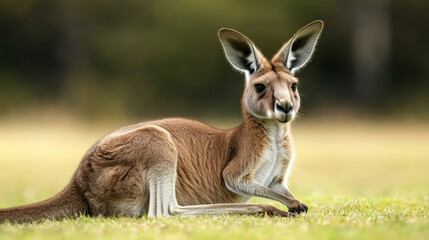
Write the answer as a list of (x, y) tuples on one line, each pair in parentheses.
[(271, 90)]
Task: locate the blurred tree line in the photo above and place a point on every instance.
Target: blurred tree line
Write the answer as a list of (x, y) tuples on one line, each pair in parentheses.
[(162, 58)]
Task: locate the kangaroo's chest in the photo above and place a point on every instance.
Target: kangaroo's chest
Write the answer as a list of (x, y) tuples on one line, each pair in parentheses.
[(276, 157)]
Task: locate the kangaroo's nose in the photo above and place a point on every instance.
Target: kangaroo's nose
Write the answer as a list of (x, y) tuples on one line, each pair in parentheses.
[(284, 105)]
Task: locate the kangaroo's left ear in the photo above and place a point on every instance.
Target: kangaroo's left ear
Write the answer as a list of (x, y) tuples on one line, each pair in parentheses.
[(296, 53)]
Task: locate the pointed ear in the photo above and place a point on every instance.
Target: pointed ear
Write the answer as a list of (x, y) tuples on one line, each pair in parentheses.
[(296, 53), (240, 51)]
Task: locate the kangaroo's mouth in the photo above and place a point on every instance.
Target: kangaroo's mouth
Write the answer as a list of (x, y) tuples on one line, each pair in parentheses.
[(284, 117)]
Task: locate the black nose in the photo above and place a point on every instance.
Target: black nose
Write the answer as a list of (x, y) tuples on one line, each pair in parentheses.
[(287, 108)]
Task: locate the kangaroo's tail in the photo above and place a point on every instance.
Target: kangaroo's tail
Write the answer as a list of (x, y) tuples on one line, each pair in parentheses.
[(70, 202)]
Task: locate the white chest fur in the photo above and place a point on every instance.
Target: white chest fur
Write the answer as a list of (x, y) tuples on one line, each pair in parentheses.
[(276, 157)]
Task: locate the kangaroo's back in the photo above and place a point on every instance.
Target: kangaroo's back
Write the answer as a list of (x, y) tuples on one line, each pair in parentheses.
[(203, 153)]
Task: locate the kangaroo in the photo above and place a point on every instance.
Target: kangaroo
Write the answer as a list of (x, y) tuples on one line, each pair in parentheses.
[(180, 167)]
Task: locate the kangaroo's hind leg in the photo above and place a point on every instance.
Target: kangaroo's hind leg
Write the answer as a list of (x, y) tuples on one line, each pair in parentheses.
[(159, 159)]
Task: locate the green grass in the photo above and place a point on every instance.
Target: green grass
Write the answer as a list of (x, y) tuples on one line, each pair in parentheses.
[(361, 180), (329, 218)]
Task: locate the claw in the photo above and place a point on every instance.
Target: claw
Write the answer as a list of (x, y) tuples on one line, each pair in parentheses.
[(299, 209)]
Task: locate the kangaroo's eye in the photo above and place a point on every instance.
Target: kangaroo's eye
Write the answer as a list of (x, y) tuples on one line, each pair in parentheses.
[(259, 87), (293, 87)]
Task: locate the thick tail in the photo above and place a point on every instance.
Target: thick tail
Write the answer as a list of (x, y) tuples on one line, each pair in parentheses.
[(68, 203)]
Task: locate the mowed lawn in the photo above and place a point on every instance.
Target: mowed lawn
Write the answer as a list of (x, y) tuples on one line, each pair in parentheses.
[(364, 179)]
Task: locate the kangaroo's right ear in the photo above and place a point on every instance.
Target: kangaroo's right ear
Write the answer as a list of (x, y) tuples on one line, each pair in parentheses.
[(240, 51)]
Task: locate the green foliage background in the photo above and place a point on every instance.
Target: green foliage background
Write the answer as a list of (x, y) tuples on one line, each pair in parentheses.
[(153, 58)]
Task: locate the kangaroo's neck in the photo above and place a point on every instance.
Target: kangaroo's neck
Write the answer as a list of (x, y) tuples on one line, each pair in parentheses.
[(255, 131)]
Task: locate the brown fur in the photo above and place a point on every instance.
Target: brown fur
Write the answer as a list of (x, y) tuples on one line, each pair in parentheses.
[(179, 166)]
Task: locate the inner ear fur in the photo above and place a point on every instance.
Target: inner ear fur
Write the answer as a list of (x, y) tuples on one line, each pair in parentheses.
[(297, 52), (240, 51)]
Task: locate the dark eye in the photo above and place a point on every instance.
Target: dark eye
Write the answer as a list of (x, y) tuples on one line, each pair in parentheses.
[(259, 87), (293, 87)]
